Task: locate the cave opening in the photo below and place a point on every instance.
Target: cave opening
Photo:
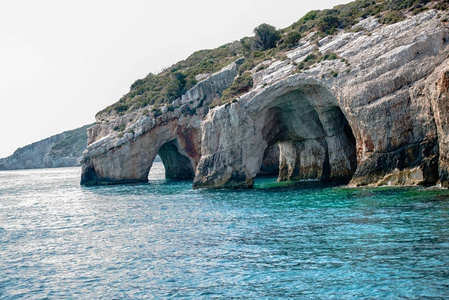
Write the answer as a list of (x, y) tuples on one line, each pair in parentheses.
[(308, 138), (157, 170), (177, 164)]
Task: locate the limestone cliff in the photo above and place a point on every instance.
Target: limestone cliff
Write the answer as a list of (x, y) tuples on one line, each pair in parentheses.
[(376, 115), (61, 150)]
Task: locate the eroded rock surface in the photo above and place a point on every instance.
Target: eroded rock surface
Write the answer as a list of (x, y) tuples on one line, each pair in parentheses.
[(376, 115), (122, 150)]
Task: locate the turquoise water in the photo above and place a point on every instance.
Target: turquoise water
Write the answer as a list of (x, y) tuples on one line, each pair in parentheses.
[(59, 240)]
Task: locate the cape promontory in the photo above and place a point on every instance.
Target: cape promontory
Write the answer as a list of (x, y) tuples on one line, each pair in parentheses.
[(60, 150), (355, 94)]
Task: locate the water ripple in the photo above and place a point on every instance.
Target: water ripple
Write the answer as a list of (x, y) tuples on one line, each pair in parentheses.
[(163, 239)]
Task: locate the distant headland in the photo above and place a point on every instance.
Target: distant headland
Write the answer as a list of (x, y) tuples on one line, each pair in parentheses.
[(60, 150)]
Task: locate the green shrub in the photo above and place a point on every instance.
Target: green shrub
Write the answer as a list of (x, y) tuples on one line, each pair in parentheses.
[(247, 44), (246, 66), (419, 10), (391, 17), (328, 24), (345, 61), (301, 66), (119, 128), (120, 107), (313, 58), (330, 56), (292, 39), (376, 9), (443, 5), (241, 85), (261, 67), (310, 16), (170, 107), (358, 29), (137, 83), (173, 81), (156, 112), (259, 54), (402, 4)]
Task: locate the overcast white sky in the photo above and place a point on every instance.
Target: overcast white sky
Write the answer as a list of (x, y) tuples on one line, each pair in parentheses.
[(63, 61)]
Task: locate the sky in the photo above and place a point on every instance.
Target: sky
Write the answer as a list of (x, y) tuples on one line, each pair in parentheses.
[(63, 61)]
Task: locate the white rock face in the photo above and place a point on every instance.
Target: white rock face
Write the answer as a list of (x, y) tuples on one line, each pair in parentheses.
[(123, 149), (376, 115)]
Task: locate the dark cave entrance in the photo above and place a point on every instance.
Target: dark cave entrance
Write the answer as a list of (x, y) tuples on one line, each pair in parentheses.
[(308, 138), (177, 164)]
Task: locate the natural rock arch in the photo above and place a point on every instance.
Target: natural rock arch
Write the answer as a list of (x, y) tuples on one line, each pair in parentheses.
[(177, 163), (177, 144), (302, 117), (314, 137)]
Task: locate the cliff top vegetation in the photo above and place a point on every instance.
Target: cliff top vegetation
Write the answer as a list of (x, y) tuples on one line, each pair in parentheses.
[(268, 42), (73, 142)]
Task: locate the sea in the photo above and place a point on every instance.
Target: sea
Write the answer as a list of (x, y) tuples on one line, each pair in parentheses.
[(164, 240)]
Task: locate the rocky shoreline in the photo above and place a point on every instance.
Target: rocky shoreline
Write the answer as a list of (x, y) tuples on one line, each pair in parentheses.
[(377, 115)]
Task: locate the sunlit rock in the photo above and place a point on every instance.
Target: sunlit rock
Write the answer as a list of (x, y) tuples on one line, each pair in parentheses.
[(377, 115)]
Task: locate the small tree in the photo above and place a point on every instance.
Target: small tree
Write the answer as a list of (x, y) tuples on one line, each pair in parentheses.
[(328, 24), (292, 39), (266, 36)]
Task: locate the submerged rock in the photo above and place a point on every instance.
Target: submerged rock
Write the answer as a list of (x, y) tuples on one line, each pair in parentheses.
[(376, 115)]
